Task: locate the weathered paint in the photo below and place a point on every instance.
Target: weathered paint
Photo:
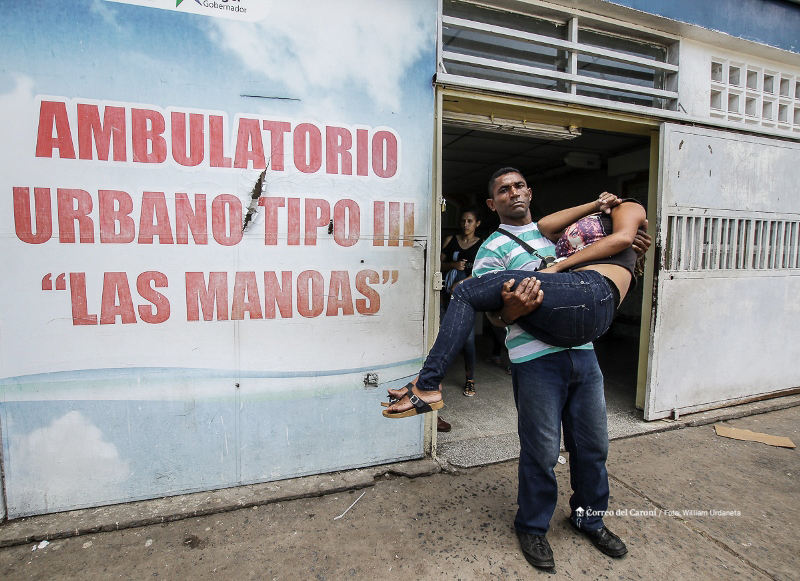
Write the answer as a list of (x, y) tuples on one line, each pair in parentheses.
[(118, 381), (722, 335)]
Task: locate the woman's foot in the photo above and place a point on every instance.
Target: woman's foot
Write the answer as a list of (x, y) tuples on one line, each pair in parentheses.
[(400, 401), (469, 388)]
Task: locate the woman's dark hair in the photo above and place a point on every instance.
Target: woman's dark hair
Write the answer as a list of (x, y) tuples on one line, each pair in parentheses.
[(474, 210)]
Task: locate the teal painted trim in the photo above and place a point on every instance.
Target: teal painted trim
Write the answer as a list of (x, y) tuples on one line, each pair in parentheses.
[(185, 372)]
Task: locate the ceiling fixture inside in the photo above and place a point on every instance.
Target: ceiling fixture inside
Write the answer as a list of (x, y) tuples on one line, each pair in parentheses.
[(582, 160), (510, 126)]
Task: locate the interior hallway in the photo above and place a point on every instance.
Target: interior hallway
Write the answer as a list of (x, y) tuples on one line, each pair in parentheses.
[(484, 427)]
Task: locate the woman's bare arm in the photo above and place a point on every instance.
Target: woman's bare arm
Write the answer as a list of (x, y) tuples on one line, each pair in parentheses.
[(553, 225), (626, 219)]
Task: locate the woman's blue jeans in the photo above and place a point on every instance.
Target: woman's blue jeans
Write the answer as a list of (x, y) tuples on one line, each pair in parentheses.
[(577, 308), (469, 347)]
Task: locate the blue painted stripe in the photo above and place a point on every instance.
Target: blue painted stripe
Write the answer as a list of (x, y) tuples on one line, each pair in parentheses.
[(186, 372), (772, 22)]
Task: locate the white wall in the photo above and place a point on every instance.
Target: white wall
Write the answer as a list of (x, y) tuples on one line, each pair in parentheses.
[(724, 331), (696, 85)]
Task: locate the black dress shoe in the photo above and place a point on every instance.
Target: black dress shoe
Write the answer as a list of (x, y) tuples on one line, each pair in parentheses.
[(442, 426), (537, 550), (605, 541)]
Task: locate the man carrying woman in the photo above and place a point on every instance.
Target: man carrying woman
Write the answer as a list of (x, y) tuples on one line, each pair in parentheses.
[(551, 316)]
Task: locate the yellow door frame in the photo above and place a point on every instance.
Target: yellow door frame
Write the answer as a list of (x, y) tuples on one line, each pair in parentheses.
[(550, 113)]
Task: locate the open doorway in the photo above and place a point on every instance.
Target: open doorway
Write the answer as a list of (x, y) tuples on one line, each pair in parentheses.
[(562, 170)]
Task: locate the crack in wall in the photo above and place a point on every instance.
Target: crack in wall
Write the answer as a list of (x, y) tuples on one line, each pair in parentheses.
[(255, 196)]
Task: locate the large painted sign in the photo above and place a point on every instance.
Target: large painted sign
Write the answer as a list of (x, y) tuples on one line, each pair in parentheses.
[(214, 232)]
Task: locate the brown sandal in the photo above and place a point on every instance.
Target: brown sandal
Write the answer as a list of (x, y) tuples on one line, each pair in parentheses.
[(469, 388)]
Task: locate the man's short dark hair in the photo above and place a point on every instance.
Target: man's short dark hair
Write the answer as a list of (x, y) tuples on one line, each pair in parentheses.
[(501, 172)]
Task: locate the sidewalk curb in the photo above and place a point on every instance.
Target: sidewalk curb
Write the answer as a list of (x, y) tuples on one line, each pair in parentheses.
[(172, 508), (722, 415)]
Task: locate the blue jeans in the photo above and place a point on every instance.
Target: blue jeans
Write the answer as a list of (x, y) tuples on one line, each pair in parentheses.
[(469, 346), (578, 307), (562, 388)]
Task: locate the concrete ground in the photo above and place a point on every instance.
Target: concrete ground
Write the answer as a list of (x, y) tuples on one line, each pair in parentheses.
[(484, 427), (456, 524)]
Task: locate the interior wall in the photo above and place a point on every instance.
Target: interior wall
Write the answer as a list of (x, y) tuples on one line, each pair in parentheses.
[(557, 193)]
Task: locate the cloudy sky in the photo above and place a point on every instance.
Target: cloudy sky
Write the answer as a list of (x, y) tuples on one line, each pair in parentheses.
[(326, 55)]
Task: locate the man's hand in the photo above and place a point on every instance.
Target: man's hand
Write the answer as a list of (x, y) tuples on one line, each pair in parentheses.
[(522, 300), (642, 240)]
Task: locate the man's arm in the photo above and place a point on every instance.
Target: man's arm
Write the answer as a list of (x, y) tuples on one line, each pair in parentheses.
[(518, 302), (552, 226), (524, 299)]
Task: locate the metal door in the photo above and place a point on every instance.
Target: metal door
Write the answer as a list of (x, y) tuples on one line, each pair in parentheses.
[(726, 308)]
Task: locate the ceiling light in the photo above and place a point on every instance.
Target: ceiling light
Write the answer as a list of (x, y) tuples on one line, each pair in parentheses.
[(509, 126)]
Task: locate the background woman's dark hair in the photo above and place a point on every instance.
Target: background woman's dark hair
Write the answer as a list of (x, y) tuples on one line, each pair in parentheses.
[(474, 210)]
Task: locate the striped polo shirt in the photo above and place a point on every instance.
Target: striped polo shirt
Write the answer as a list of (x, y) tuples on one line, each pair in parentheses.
[(499, 252)]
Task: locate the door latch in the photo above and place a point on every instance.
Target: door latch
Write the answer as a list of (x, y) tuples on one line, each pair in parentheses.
[(437, 281)]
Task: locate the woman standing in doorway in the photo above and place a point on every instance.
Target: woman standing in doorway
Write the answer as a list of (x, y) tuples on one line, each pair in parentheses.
[(458, 255)]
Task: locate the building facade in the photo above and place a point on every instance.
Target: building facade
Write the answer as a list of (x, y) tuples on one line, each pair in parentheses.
[(222, 218)]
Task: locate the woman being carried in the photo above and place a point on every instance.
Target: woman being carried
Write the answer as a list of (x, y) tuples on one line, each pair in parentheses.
[(575, 299)]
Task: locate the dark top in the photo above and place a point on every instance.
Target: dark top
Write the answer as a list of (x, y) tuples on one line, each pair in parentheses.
[(453, 253), (591, 229)]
